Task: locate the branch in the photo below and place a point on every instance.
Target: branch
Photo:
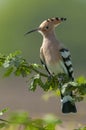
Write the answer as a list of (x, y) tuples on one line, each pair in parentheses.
[(16, 64), (39, 72)]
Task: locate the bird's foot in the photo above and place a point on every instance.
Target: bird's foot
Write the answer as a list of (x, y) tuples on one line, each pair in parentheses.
[(60, 81), (50, 77)]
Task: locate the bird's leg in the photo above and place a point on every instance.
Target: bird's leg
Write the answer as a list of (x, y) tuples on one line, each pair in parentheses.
[(50, 76), (60, 81), (60, 84)]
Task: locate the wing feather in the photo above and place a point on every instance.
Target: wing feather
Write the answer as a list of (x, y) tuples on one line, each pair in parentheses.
[(65, 53)]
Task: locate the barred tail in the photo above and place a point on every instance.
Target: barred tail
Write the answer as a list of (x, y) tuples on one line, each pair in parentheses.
[(67, 105)]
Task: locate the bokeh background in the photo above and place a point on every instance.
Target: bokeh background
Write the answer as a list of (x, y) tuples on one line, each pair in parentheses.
[(20, 16)]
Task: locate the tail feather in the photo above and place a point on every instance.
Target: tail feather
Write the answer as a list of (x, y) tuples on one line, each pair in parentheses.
[(68, 107)]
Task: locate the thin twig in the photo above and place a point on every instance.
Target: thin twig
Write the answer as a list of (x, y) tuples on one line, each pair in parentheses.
[(4, 120), (37, 71)]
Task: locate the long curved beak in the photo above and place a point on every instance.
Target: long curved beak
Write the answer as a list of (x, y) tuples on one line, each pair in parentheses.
[(34, 30)]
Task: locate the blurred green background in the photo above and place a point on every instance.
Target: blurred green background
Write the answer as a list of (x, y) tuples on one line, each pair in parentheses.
[(20, 16)]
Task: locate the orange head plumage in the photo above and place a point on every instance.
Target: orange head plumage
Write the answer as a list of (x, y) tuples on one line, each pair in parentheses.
[(48, 25)]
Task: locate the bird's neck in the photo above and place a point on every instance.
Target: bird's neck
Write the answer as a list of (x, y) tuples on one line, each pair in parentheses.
[(50, 37)]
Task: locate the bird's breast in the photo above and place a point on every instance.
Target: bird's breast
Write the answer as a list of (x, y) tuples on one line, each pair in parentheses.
[(53, 59), (51, 53), (57, 68)]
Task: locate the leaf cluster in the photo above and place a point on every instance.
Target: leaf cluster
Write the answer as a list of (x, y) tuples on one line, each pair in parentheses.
[(3, 123), (22, 120), (15, 64)]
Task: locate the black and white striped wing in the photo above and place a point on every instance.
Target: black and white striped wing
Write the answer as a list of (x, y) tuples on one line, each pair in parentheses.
[(65, 53)]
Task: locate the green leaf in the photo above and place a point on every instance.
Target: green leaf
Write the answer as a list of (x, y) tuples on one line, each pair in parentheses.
[(3, 111), (51, 121), (6, 64), (8, 72), (81, 79), (2, 125), (37, 66), (35, 82), (19, 118)]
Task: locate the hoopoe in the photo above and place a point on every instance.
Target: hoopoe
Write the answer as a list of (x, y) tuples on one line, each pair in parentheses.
[(55, 57)]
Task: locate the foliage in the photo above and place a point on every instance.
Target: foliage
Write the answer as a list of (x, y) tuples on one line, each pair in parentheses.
[(15, 64), (3, 123), (3, 111), (22, 121)]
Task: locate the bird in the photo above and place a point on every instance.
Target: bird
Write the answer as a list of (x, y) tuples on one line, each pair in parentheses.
[(56, 57)]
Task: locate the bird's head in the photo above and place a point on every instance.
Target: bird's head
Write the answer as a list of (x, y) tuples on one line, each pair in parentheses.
[(48, 25)]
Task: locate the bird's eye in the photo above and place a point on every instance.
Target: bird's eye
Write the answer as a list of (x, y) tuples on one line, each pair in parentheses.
[(47, 27)]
